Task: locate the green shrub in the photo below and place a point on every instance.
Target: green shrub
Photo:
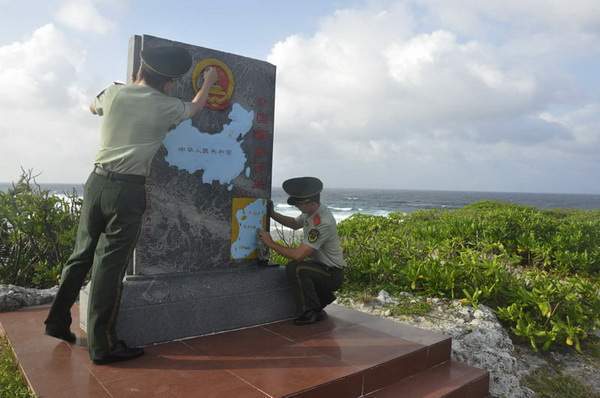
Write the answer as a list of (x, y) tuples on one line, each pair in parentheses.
[(549, 310), (538, 268), (37, 231)]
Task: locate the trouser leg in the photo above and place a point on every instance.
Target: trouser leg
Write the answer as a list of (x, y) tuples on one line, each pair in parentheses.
[(124, 204), (75, 270), (325, 288), (326, 295), (312, 284)]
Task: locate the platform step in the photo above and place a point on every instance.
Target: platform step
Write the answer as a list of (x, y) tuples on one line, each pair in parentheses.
[(348, 355), (448, 380)]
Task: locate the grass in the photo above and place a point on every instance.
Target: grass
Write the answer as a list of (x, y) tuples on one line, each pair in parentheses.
[(547, 383), (409, 306), (12, 383), (406, 305)]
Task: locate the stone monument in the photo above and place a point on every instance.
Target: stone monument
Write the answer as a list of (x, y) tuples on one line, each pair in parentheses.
[(196, 268)]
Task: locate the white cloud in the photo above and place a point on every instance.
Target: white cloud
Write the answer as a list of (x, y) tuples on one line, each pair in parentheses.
[(44, 123), (394, 96), (472, 16), (83, 15), (31, 70)]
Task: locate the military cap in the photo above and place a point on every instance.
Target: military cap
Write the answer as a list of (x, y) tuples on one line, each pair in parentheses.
[(167, 61), (302, 189)]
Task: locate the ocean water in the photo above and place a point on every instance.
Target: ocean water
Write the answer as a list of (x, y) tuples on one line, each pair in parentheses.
[(345, 202)]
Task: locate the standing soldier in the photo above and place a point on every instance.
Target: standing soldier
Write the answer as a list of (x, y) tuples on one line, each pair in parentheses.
[(136, 120), (316, 269)]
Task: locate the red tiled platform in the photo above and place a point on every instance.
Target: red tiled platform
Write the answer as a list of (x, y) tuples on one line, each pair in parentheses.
[(350, 354)]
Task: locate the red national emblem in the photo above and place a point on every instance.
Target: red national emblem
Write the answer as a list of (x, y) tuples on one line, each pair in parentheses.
[(221, 92)]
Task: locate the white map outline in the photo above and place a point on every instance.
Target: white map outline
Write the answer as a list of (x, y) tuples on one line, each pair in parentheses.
[(250, 220), (219, 155)]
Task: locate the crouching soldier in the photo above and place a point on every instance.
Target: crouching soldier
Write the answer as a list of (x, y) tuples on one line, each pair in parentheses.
[(316, 267)]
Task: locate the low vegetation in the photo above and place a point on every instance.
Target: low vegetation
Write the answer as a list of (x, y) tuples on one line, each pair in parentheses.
[(549, 383), (538, 269), (12, 383), (37, 232)]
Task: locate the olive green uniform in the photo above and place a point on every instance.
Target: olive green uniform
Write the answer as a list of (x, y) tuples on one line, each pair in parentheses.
[(136, 119), (316, 278)]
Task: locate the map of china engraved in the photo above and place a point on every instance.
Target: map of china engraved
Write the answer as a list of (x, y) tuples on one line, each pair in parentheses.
[(220, 156)]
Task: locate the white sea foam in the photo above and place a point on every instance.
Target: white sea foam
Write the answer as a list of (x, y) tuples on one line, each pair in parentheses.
[(287, 210), (341, 217), (339, 213), (283, 206), (61, 196), (384, 213)]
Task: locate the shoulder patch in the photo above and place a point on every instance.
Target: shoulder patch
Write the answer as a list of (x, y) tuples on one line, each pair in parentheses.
[(317, 219), (100, 93), (116, 83), (313, 235)]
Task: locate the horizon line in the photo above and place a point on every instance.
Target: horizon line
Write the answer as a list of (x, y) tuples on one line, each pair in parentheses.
[(384, 189)]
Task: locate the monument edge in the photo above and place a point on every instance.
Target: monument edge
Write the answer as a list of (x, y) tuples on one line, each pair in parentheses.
[(144, 36)]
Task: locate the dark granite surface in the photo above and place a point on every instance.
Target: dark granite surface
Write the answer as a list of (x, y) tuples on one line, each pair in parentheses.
[(187, 224)]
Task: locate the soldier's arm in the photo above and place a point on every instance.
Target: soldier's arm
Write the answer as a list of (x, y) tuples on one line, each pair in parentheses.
[(293, 253), (289, 222), (199, 100)]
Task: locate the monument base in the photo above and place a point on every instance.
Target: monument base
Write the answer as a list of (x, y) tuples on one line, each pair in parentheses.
[(169, 307)]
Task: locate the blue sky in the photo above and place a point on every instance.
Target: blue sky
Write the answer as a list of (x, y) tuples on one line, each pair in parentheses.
[(243, 27), (416, 94)]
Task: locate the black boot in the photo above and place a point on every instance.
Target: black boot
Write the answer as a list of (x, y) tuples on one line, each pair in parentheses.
[(120, 352), (310, 317), (63, 333)]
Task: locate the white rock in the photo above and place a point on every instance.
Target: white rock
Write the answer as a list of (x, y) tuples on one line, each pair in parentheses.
[(14, 297), (384, 298)]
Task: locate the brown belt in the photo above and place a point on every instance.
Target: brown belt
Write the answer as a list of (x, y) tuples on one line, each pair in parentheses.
[(111, 175)]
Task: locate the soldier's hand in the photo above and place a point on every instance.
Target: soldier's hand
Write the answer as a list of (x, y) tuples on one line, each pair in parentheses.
[(265, 237), (211, 75)]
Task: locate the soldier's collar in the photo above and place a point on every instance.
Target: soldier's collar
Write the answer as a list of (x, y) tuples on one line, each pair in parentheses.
[(316, 211)]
